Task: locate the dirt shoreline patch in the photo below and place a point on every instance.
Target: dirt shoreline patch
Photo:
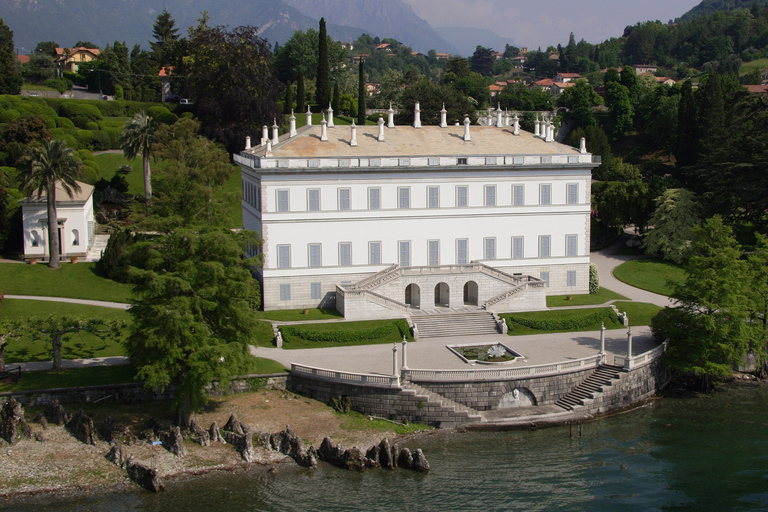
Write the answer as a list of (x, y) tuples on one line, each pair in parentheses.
[(60, 464)]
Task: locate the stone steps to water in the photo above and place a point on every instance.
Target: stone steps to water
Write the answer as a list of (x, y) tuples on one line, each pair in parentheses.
[(433, 399), (603, 377), (456, 324)]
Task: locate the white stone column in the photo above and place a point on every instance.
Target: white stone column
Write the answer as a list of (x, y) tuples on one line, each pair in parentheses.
[(466, 128), (628, 363), (499, 120), (309, 116), (405, 359), (602, 338), (390, 116), (248, 142), (443, 117), (380, 122), (395, 372), (515, 125), (292, 125), (330, 117), (324, 129), (536, 127), (417, 116), (275, 136), (353, 138)]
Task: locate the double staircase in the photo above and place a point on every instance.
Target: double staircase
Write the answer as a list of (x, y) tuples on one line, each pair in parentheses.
[(605, 376), (431, 399), (455, 324)]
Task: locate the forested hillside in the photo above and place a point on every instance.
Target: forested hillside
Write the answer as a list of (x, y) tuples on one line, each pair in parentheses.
[(712, 6)]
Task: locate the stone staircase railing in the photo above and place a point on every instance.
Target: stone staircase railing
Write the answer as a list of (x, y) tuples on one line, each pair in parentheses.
[(377, 279), (373, 297), (630, 363), (443, 400), (504, 295), (359, 379)]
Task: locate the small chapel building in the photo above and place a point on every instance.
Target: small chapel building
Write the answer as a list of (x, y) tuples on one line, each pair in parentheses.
[(381, 221)]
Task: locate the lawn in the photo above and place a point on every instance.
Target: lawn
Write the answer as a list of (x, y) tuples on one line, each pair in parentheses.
[(343, 334), (640, 313), (653, 275), (78, 281), (748, 67), (564, 320), (110, 162), (601, 297), (297, 315), (75, 346)]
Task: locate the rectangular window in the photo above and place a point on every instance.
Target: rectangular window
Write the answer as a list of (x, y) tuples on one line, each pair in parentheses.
[(461, 161), (573, 193), (434, 252), (344, 194), (518, 195), (404, 197), (405, 253), (433, 161), (571, 245), (313, 199), (545, 194), (490, 248), (345, 254), (315, 291), (517, 247), (374, 253), (544, 246), (283, 256), (462, 196), (462, 251), (571, 277), (433, 197), (282, 201), (490, 195), (90, 233), (544, 276), (315, 255), (374, 198), (285, 292)]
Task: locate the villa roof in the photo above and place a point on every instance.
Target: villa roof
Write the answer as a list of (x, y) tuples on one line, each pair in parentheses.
[(86, 191)]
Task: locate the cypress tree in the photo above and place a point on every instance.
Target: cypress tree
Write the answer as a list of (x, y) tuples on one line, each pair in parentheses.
[(288, 99), (323, 69), (336, 98), (300, 106), (10, 71), (687, 151), (361, 94)]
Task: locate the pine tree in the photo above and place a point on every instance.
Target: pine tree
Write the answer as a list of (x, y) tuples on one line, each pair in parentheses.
[(336, 103), (10, 71), (361, 92), (288, 107), (323, 94), (300, 95), (687, 151), (166, 35)]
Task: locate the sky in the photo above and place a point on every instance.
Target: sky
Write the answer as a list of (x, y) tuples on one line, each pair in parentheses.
[(535, 23)]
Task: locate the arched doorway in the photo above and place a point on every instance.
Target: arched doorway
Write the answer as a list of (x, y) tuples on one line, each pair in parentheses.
[(413, 296), (470, 293), (442, 295)]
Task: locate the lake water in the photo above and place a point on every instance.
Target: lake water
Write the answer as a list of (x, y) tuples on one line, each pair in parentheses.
[(702, 452)]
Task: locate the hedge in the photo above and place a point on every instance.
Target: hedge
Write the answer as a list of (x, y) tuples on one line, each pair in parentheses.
[(80, 113), (307, 333), (63, 122), (9, 115), (92, 126), (101, 140), (571, 324)]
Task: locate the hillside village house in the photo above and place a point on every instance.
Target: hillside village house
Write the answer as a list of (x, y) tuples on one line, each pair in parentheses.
[(75, 218), (380, 221), (69, 59)]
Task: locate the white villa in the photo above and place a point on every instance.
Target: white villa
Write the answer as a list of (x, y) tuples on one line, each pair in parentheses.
[(380, 221), (75, 219)]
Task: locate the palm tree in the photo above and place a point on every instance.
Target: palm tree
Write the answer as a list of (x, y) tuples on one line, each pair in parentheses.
[(138, 135), (47, 164)]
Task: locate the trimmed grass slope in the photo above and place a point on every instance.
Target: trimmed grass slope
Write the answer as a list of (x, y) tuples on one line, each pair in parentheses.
[(653, 275), (77, 281)]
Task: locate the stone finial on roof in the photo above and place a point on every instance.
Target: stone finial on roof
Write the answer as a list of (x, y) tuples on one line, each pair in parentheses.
[(390, 116), (309, 116), (417, 116), (247, 142), (516, 125), (466, 127), (330, 116), (537, 127), (550, 133), (269, 148), (380, 122), (583, 146), (275, 136), (443, 117), (292, 132), (499, 120), (324, 129), (353, 138), (264, 135)]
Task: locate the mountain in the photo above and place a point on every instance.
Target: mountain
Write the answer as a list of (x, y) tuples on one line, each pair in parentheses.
[(385, 18), (712, 6), (131, 21), (466, 39)]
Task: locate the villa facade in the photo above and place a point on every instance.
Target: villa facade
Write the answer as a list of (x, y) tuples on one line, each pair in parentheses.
[(379, 221)]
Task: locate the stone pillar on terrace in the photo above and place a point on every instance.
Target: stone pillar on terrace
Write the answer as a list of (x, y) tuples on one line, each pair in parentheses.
[(395, 372), (330, 116), (405, 360), (628, 363), (602, 342)]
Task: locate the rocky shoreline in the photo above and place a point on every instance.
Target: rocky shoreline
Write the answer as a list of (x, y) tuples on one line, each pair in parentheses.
[(67, 455)]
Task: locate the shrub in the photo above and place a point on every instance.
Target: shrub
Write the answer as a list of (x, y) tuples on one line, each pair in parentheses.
[(85, 139), (9, 115), (62, 85), (101, 140), (63, 122), (92, 126), (114, 261), (114, 136), (80, 113), (568, 324), (118, 92), (162, 115), (307, 333), (50, 123), (594, 279), (90, 175)]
